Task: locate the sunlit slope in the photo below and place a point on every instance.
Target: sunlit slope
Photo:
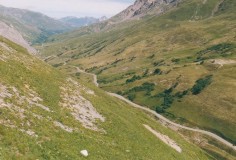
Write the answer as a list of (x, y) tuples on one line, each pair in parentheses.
[(187, 56), (38, 121)]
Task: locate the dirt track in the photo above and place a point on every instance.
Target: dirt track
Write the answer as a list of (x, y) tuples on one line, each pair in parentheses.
[(162, 117)]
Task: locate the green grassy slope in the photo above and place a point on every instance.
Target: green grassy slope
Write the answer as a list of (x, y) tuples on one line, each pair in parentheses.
[(174, 53), (27, 129)]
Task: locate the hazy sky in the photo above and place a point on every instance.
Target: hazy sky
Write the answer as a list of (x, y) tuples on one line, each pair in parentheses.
[(79, 8)]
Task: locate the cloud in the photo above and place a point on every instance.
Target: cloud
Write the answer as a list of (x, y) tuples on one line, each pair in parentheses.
[(79, 8)]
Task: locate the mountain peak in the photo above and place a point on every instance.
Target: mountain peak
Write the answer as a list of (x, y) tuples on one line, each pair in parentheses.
[(79, 22), (103, 18), (141, 8)]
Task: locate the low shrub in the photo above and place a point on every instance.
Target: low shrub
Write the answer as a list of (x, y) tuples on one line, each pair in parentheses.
[(181, 94), (146, 87), (145, 73), (217, 49), (131, 96), (168, 100), (152, 56), (57, 65), (175, 60), (134, 78), (159, 109), (159, 63), (201, 84), (157, 71), (77, 74)]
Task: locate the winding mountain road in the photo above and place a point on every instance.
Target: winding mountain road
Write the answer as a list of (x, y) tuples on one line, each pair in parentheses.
[(160, 116)]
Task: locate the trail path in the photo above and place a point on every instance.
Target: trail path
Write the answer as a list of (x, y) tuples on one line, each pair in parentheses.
[(164, 139), (160, 116)]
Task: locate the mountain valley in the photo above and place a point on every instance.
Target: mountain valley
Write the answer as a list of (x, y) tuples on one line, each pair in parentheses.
[(156, 80)]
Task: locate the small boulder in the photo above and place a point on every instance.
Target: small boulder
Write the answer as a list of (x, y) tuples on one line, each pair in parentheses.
[(84, 153)]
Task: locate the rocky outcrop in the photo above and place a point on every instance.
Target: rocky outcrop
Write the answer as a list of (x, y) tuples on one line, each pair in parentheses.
[(138, 10), (81, 109), (144, 7), (12, 34)]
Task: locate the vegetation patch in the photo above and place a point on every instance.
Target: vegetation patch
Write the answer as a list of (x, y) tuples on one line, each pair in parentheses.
[(117, 61), (58, 65), (133, 79), (221, 49), (201, 84), (157, 71), (145, 74), (159, 63), (168, 99), (175, 60), (145, 87)]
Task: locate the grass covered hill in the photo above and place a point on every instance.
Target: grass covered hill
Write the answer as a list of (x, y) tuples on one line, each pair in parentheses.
[(180, 64), (44, 114)]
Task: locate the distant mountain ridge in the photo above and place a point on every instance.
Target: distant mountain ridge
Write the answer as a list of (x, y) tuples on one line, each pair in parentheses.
[(83, 21), (138, 10), (34, 27)]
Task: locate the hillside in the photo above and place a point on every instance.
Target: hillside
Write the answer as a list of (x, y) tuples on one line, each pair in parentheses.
[(142, 8), (44, 114), (180, 64), (34, 27), (12, 34), (139, 10)]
